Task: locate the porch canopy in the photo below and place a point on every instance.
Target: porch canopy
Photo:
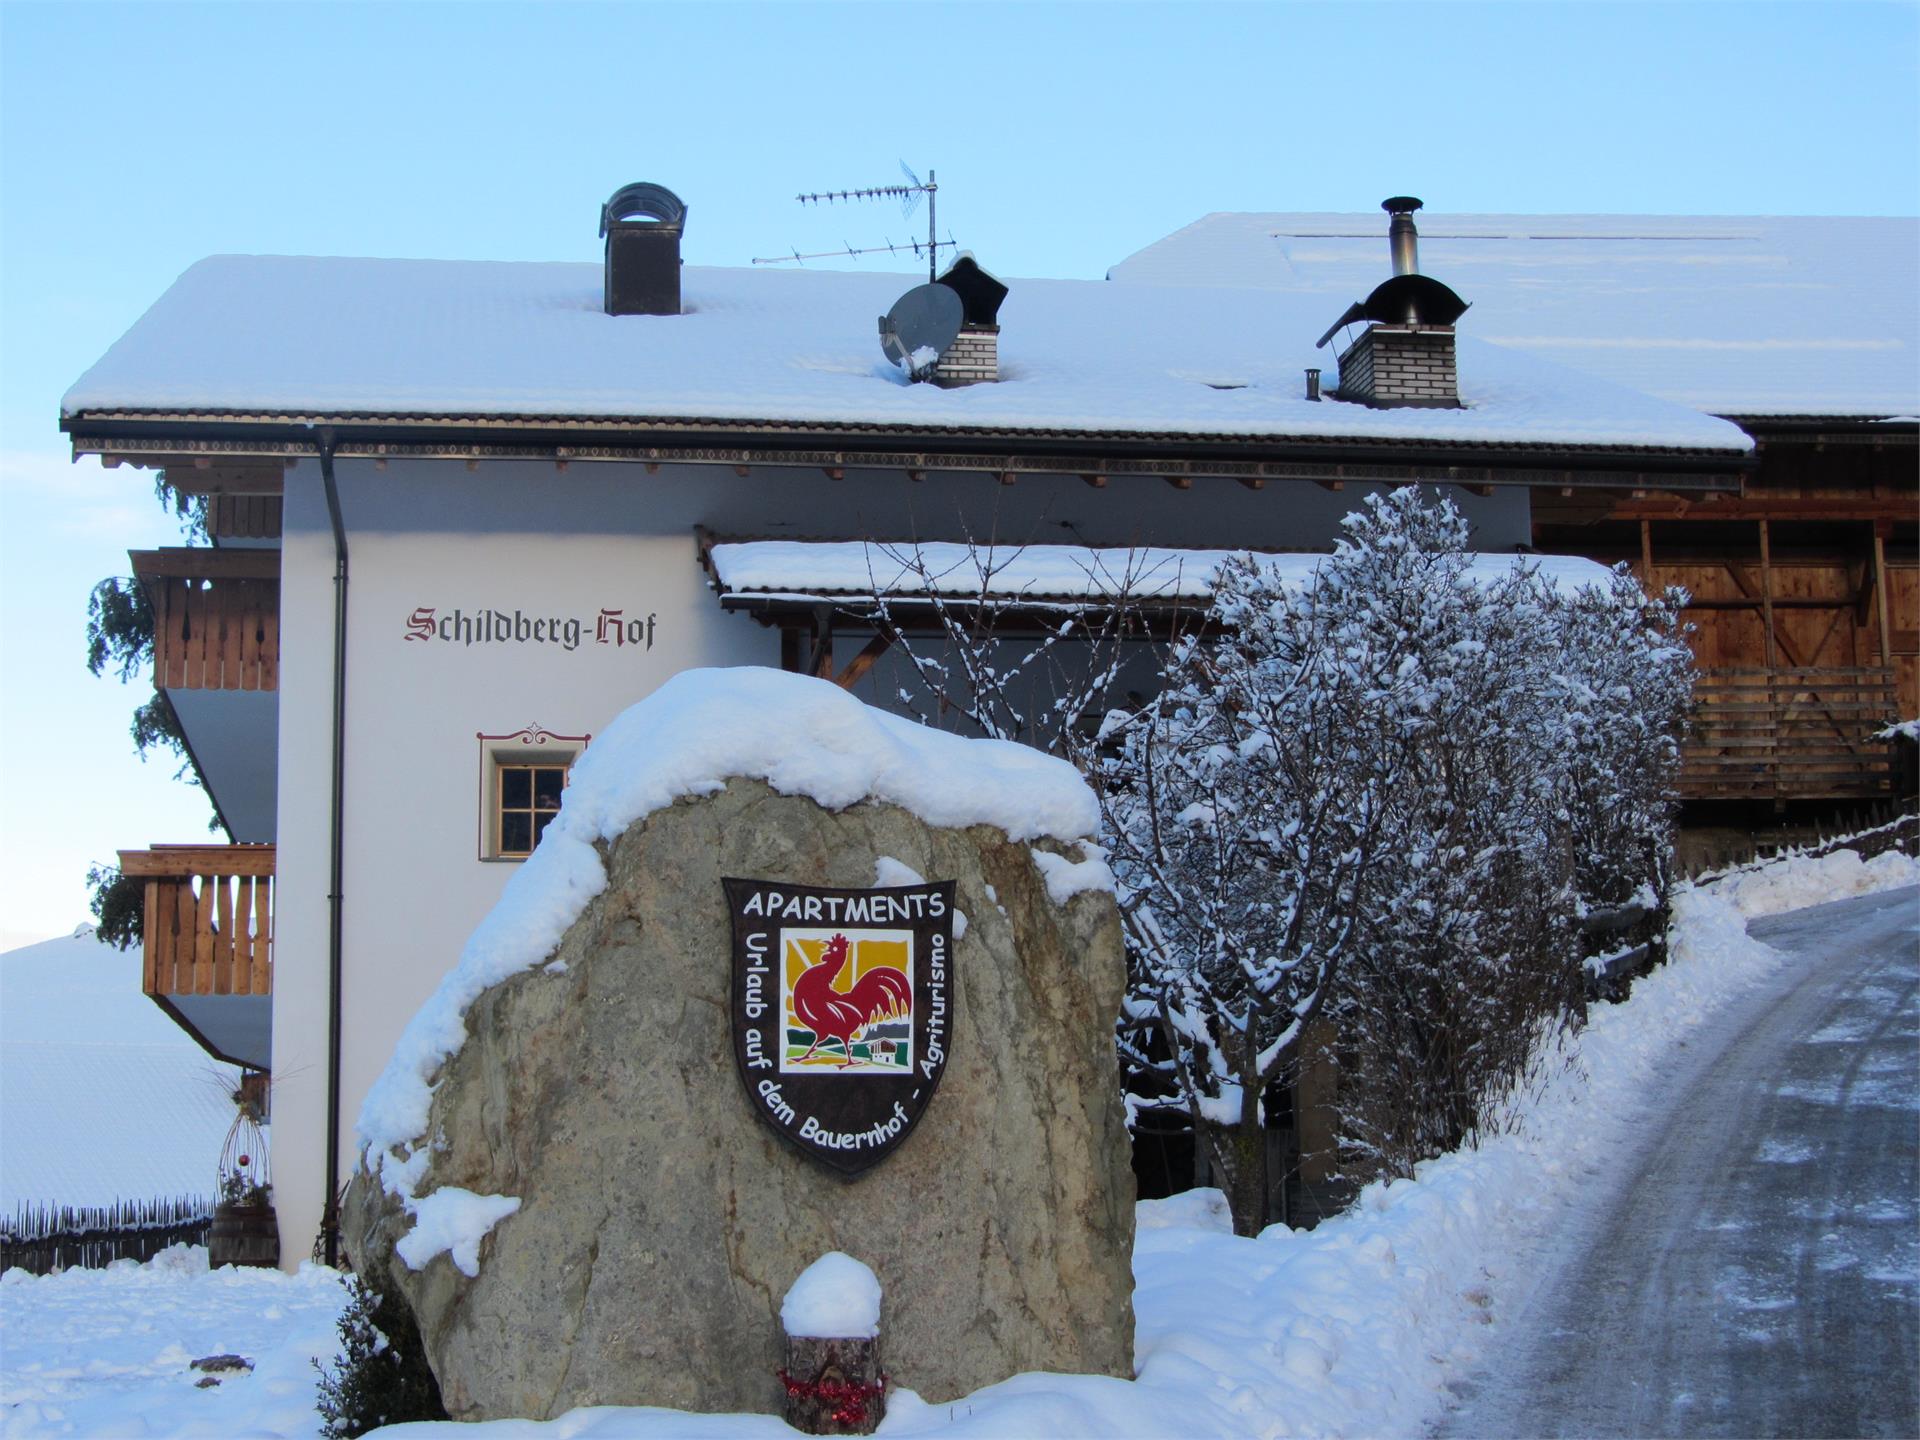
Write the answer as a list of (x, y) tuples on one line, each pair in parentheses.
[(811, 589)]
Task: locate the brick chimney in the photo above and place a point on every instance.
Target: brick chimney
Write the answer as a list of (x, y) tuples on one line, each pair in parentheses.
[(1405, 356), (1401, 365), (974, 357)]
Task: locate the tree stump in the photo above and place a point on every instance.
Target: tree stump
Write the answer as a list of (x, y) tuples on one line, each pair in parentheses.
[(834, 1387)]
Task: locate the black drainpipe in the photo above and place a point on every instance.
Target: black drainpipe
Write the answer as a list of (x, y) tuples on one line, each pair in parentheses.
[(330, 1220)]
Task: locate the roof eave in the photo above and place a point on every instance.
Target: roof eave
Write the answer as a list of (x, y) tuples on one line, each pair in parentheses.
[(155, 437)]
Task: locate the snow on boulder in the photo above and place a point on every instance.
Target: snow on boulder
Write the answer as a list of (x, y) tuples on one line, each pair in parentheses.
[(631, 1186), (835, 1298)]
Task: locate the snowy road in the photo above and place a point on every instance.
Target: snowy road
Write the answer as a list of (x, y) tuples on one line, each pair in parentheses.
[(1756, 1270)]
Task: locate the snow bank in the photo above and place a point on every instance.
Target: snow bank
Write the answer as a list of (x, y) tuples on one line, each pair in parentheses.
[(836, 1297), (1798, 881), (802, 736)]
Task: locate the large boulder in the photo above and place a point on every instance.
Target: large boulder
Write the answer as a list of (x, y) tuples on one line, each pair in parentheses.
[(660, 1222)]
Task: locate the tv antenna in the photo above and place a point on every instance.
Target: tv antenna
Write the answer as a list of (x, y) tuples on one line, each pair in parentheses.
[(909, 197)]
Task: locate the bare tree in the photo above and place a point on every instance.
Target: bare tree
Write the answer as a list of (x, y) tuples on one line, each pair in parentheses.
[(1017, 642)]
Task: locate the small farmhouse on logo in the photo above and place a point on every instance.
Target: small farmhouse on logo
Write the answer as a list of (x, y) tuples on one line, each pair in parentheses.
[(462, 514)]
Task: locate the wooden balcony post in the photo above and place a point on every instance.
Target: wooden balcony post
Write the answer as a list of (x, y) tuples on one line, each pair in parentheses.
[(1766, 594), (1880, 528)]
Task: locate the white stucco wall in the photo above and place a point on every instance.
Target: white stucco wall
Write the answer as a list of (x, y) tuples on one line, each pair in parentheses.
[(511, 536)]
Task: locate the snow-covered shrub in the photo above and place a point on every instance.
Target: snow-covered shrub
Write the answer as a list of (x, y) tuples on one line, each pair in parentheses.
[(1624, 685), (1470, 952), (1541, 786), (1385, 794), (382, 1376), (1245, 805)]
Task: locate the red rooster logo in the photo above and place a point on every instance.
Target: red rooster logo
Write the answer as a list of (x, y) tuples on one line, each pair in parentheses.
[(880, 994)]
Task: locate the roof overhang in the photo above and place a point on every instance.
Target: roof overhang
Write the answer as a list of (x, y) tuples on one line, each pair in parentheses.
[(923, 587), (1874, 432), (157, 438)]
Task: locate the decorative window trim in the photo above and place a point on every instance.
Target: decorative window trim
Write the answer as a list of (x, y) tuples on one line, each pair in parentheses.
[(531, 745)]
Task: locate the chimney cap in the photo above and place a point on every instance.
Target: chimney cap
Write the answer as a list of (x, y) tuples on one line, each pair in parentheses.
[(643, 203), (1400, 204), (1405, 299), (980, 292)]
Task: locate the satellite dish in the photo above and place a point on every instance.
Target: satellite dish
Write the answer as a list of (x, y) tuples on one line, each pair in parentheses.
[(921, 327)]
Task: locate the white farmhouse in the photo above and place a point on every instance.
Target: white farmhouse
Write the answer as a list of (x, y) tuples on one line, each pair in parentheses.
[(463, 514)]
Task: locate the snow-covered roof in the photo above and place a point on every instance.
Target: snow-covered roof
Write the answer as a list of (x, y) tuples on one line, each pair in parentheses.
[(102, 1097), (801, 570), (1734, 315), (277, 336)]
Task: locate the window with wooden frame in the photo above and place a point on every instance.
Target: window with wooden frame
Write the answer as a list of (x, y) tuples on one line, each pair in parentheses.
[(522, 778)]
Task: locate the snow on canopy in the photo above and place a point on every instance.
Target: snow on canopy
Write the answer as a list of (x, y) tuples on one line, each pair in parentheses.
[(1733, 315), (699, 729), (800, 569), (102, 1097), (287, 335)]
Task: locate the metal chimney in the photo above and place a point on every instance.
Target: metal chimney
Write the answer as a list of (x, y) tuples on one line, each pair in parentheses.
[(1402, 238), (642, 225)]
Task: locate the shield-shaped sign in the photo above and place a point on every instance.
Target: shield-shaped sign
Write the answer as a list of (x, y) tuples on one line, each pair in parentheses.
[(842, 1012)]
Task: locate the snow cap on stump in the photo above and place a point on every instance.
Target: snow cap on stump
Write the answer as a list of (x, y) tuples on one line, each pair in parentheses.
[(834, 1297)]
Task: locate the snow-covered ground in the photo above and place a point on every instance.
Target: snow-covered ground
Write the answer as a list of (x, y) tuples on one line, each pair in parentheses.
[(110, 1352), (102, 1097), (1351, 1329)]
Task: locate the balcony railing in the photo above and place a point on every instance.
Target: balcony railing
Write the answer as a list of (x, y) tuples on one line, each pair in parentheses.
[(1790, 735), (209, 918), (216, 617)]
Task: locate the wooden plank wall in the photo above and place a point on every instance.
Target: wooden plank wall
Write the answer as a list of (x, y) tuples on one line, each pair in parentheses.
[(1789, 735), (244, 517), (1903, 608), (1824, 616)]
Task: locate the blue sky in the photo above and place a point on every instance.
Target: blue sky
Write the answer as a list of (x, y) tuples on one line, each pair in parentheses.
[(135, 139)]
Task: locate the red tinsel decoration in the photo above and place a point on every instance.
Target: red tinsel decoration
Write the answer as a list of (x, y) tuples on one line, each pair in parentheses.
[(849, 1399)]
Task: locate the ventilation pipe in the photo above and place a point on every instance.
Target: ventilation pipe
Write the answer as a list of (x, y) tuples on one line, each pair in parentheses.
[(1403, 239)]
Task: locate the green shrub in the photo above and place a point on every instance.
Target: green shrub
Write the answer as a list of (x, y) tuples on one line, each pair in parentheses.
[(382, 1376)]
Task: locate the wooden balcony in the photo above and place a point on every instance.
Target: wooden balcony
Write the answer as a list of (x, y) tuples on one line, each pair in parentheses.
[(1790, 735), (209, 919), (216, 617)]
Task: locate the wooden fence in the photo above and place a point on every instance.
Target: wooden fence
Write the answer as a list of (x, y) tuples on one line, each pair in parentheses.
[(1789, 735), (43, 1238), (209, 918)]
